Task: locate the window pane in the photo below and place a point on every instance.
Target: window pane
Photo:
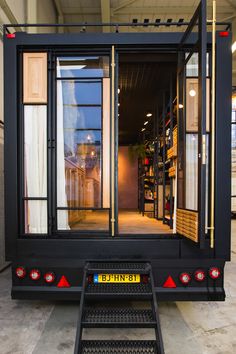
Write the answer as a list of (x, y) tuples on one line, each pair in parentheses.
[(84, 220), (36, 217), (82, 154), (82, 117), (80, 92), (78, 163), (191, 171), (192, 104), (35, 151), (192, 65), (91, 66)]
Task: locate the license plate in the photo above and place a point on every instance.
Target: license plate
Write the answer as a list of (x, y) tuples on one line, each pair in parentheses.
[(116, 278)]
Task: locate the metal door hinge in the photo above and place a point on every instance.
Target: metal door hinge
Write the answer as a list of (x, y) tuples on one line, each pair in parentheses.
[(204, 149)]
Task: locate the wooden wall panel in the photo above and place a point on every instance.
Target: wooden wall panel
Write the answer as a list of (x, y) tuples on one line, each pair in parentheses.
[(187, 224), (35, 77)]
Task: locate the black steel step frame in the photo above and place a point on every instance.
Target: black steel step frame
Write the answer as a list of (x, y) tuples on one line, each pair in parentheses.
[(103, 316)]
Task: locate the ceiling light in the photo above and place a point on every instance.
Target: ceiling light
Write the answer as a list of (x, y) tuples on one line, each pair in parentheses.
[(149, 114), (118, 104), (181, 105), (192, 93), (145, 123), (233, 47), (143, 130), (118, 90)]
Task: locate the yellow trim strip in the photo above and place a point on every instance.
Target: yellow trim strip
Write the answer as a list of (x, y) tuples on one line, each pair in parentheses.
[(113, 141)]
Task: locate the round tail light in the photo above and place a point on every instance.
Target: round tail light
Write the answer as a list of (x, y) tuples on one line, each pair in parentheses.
[(20, 272), (49, 277), (214, 273), (199, 275), (35, 274), (185, 278)]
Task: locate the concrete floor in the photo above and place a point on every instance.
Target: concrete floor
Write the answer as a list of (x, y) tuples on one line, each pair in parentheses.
[(188, 327)]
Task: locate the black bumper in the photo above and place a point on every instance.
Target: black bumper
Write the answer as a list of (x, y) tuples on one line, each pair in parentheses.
[(73, 293)]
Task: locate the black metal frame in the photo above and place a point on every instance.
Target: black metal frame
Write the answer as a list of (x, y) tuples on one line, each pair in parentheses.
[(114, 25), (164, 252)]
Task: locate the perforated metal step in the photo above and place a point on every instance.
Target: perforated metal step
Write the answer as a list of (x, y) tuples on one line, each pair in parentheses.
[(119, 347), (116, 267), (114, 289), (118, 317)]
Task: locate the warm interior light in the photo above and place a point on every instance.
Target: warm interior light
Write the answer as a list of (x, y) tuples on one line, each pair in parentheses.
[(192, 93), (149, 114), (145, 123), (234, 101), (118, 90), (181, 105), (233, 47), (143, 130)]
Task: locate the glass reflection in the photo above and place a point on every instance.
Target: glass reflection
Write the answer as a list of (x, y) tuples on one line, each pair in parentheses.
[(75, 92), (82, 117), (79, 144), (90, 66)]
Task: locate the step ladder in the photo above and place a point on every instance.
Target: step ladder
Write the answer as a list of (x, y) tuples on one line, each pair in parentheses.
[(101, 306)]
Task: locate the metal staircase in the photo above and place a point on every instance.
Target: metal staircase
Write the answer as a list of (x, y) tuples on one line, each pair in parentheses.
[(97, 312)]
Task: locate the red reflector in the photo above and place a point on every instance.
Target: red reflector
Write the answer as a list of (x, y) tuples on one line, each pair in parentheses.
[(20, 272), (224, 34), (185, 278), (49, 277), (35, 274), (63, 283), (11, 35), (199, 275), (169, 283), (214, 272)]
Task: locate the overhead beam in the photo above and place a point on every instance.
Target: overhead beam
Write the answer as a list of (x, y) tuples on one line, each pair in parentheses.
[(105, 14), (60, 14), (122, 5), (7, 11), (57, 4), (32, 15)]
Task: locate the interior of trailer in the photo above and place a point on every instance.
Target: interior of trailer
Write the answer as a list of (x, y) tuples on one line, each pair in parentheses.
[(147, 118)]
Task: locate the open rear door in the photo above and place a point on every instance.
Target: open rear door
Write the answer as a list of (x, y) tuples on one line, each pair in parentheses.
[(193, 128)]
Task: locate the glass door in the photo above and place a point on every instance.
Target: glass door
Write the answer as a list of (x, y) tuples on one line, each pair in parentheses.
[(83, 88), (193, 130)]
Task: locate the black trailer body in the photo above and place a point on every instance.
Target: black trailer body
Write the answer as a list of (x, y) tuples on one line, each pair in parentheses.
[(64, 253)]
